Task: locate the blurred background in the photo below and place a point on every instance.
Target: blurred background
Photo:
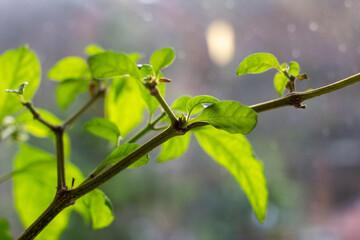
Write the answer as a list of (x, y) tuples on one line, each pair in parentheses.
[(311, 157)]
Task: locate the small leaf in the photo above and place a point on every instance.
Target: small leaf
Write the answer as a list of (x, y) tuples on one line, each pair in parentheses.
[(121, 152), (69, 68), (294, 68), (180, 104), (135, 56), (258, 63), (280, 81), (67, 91), (302, 76), (229, 116), (195, 101), (93, 49), (145, 71), (174, 148), (162, 58), (103, 128), (109, 65), (20, 89), (5, 230), (234, 153)]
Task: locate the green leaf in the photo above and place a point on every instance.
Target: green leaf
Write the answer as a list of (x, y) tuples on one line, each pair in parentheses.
[(67, 91), (162, 58), (229, 116), (103, 128), (122, 105), (150, 100), (294, 68), (280, 81), (135, 56), (174, 148), (16, 67), (234, 152), (180, 104), (5, 230), (69, 68), (302, 76), (121, 152), (20, 89), (93, 49), (195, 101), (35, 187), (145, 71), (109, 65), (257, 63)]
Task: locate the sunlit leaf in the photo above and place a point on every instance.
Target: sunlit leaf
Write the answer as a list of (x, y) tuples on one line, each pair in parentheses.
[(5, 230), (93, 49), (294, 68), (123, 105), (198, 100), (258, 63), (69, 68), (162, 58), (280, 81), (174, 148), (67, 91), (109, 65), (180, 104), (122, 151), (150, 100), (229, 116), (16, 67), (103, 128), (135, 56), (234, 152)]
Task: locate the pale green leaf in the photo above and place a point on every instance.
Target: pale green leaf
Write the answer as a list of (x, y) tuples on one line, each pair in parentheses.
[(294, 68), (103, 128), (174, 148), (5, 230), (234, 152), (229, 116), (69, 68), (67, 91), (150, 100), (198, 100), (135, 56), (121, 152), (93, 49), (109, 65), (180, 104), (258, 63), (162, 58), (280, 81), (123, 105), (16, 67)]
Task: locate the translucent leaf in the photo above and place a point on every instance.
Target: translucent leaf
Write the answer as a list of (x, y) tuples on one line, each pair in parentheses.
[(135, 56), (294, 68), (67, 91), (109, 65), (234, 152), (195, 101), (122, 151), (280, 81), (180, 104), (16, 67), (103, 128), (150, 100), (258, 63), (123, 105), (5, 230), (93, 49), (174, 148), (69, 68), (229, 116), (162, 58)]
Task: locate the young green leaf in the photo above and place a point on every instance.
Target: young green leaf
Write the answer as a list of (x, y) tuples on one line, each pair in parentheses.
[(234, 152), (93, 49), (174, 148), (180, 104), (122, 151), (67, 91), (280, 81), (16, 67), (122, 105), (109, 65), (145, 70), (294, 68), (149, 100), (162, 58), (258, 63), (69, 68), (5, 230), (195, 101), (229, 116), (20, 89), (135, 56), (103, 128)]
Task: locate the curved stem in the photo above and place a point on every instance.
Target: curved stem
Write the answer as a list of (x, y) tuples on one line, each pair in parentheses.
[(146, 129)]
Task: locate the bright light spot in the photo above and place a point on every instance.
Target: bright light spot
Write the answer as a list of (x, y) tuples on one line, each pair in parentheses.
[(313, 26), (291, 28), (348, 3), (295, 53), (220, 39), (342, 47)]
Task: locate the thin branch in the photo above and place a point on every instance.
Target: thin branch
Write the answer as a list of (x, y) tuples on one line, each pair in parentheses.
[(61, 176), (37, 115), (147, 128), (6, 177), (154, 91)]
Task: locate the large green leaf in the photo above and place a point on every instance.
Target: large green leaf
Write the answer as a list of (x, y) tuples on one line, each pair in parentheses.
[(229, 116), (16, 67), (67, 91), (122, 151), (123, 105), (174, 148), (257, 63), (5, 230), (234, 152), (103, 128), (162, 58), (69, 68), (198, 100), (109, 65)]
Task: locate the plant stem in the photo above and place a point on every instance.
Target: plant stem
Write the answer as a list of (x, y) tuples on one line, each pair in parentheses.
[(146, 129), (37, 115), (61, 176), (6, 177), (156, 93)]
